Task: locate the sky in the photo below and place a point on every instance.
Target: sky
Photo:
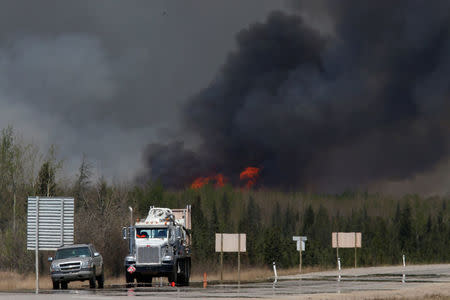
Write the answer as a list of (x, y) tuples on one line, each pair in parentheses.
[(106, 78), (319, 95)]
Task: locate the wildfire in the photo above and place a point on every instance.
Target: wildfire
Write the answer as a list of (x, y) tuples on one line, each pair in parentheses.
[(201, 181), (251, 174)]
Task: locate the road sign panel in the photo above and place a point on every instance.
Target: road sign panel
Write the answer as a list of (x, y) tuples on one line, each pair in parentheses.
[(51, 219), (346, 239), (230, 242)]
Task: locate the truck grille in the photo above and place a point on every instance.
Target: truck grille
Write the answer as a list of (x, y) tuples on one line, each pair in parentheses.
[(70, 267), (148, 255)]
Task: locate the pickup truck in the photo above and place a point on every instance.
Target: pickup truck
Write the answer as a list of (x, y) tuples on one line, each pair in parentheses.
[(76, 263)]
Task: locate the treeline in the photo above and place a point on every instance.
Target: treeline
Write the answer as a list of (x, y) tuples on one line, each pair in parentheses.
[(418, 227)]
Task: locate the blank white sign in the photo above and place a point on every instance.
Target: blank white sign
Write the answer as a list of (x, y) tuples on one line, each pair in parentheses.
[(346, 239), (231, 242)]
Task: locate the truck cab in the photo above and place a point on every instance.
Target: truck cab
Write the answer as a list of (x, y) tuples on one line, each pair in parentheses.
[(159, 246)]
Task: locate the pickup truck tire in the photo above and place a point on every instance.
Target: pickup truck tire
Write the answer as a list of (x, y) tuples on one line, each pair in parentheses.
[(101, 280), (56, 285), (64, 285), (92, 280)]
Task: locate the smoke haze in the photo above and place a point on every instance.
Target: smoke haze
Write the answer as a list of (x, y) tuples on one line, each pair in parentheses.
[(320, 95), (359, 98), (106, 78)]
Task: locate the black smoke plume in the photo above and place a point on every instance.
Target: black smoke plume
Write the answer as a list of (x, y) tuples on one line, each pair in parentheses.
[(365, 102)]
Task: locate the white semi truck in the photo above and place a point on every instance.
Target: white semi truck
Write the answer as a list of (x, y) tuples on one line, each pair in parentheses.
[(159, 246)]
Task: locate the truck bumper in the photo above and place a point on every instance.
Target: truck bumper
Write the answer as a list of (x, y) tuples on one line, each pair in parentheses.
[(154, 270), (71, 276)]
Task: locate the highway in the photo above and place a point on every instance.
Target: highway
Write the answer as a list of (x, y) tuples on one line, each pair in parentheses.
[(360, 283)]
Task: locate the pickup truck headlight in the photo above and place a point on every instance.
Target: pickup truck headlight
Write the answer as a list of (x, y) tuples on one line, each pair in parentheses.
[(55, 267), (86, 264)]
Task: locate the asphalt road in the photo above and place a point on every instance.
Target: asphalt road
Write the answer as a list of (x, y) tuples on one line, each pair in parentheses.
[(359, 283)]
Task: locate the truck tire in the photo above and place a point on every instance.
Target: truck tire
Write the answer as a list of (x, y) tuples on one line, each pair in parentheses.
[(129, 278), (139, 280), (183, 276), (92, 280), (64, 285), (56, 285), (187, 271), (101, 280), (174, 276), (148, 280)]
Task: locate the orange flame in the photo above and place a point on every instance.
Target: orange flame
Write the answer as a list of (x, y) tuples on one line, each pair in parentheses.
[(201, 181), (251, 174)]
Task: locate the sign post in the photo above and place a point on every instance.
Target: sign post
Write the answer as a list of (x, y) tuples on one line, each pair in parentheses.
[(231, 242), (239, 258), (36, 253), (300, 247), (49, 225), (221, 259)]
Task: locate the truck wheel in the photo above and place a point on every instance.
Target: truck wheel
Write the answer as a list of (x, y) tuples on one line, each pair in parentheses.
[(101, 280), (148, 280), (55, 285), (181, 275), (174, 276), (64, 285), (129, 279), (92, 280), (187, 273), (139, 280)]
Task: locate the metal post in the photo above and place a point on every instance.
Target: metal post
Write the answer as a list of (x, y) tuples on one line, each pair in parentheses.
[(62, 223), (131, 215), (355, 250), (339, 268), (37, 245), (300, 267), (221, 258), (337, 245), (404, 265), (275, 272), (239, 258)]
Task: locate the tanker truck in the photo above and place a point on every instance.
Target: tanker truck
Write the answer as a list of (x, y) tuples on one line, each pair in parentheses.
[(159, 246)]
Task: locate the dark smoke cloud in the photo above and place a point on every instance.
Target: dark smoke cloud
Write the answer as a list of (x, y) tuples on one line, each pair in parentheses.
[(106, 78), (363, 102)]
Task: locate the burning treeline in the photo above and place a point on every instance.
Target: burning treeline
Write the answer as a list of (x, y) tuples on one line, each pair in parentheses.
[(249, 177), (365, 102)]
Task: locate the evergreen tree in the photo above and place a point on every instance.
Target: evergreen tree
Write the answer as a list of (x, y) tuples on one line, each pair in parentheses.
[(46, 180)]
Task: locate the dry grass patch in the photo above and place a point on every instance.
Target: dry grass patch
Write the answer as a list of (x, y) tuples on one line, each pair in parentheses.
[(12, 281)]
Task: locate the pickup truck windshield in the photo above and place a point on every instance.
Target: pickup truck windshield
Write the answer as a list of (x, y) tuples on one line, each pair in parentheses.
[(145, 233), (73, 252)]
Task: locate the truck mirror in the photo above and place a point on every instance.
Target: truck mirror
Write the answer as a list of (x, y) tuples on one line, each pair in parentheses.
[(124, 233), (96, 254), (50, 259)]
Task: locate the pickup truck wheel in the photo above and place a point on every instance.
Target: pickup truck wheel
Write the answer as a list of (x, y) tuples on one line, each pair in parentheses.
[(101, 280), (64, 285), (92, 280), (56, 285)]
